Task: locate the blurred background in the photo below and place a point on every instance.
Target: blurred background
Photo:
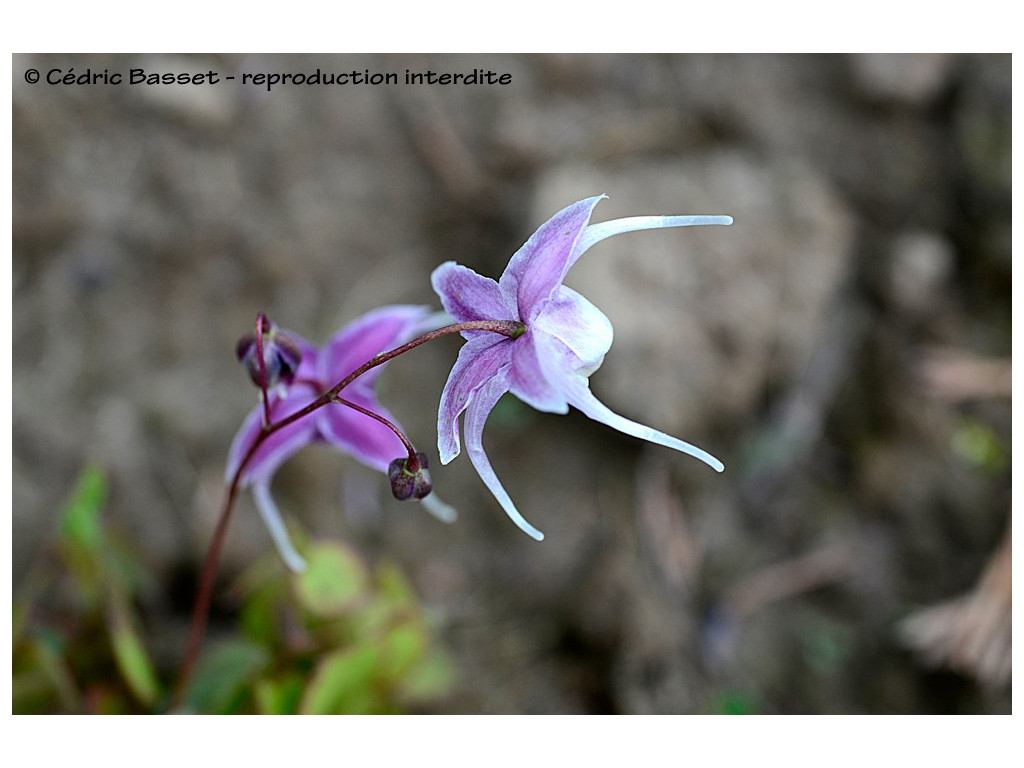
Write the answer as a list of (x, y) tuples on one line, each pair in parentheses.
[(843, 348)]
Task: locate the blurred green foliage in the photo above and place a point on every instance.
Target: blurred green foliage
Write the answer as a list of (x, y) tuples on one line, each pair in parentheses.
[(733, 702), (340, 638), (978, 444)]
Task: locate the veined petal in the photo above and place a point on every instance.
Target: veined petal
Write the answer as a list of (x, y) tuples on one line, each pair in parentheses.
[(446, 513), (479, 361), (540, 265), (378, 331), (275, 524), (467, 295), (476, 416), (277, 448), (579, 325), (580, 396), (359, 435), (527, 378), (595, 233)]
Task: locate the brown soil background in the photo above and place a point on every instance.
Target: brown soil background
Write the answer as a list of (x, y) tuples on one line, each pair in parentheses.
[(834, 347)]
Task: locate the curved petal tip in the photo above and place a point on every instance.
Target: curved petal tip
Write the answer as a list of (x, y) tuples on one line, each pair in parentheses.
[(446, 513), (275, 525)]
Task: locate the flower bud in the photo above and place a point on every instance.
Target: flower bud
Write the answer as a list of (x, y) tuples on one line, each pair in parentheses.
[(410, 478), (281, 357)]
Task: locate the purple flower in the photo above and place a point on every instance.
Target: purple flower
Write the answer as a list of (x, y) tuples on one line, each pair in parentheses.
[(355, 433), (565, 339)]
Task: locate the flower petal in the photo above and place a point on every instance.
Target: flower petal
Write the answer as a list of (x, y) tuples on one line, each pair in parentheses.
[(359, 435), (467, 295), (595, 233), (579, 325), (527, 379), (277, 448), (476, 416), (378, 331), (479, 360), (446, 513), (275, 524), (579, 394), (540, 265)]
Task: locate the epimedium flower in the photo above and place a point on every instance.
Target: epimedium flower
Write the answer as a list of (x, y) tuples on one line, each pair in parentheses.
[(563, 341), (364, 438)]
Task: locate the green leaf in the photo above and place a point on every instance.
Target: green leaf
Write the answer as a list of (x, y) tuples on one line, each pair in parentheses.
[(392, 600), (978, 444), (80, 523), (393, 586), (402, 647), (130, 654), (269, 697), (279, 697), (429, 679), (334, 579), (259, 617), (342, 683), (734, 702), (81, 539), (218, 686), (264, 593)]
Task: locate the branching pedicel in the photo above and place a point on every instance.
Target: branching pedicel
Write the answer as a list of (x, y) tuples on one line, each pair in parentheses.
[(527, 334)]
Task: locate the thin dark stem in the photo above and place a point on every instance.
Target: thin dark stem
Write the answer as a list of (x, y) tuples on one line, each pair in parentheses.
[(261, 324), (510, 328), (204, 595), (393, 427), (201, 609)]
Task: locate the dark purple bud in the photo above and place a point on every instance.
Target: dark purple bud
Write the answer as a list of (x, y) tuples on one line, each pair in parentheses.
[(410, 478), (281, 357)]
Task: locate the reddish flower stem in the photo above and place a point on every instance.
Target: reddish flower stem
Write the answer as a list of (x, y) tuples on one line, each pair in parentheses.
[(204, 595), (393, 427), (261, 325), (510, 328)]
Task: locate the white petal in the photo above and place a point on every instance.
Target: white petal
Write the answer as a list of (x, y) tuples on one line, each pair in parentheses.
[(278, 532), (527, 379), (579, 325), (446, 513), (595, 233), (476, 416), (581, 397)]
